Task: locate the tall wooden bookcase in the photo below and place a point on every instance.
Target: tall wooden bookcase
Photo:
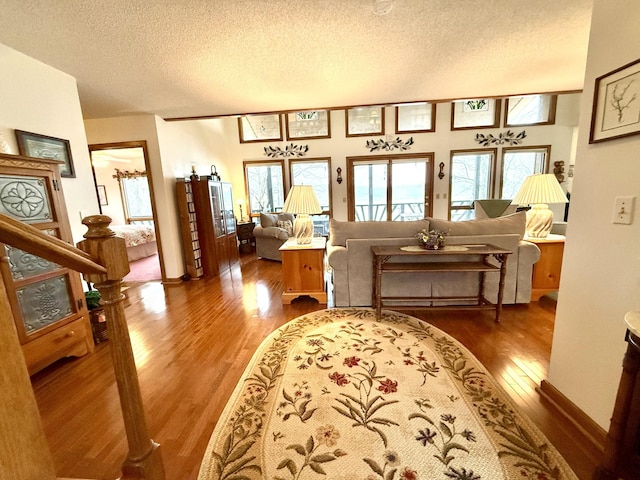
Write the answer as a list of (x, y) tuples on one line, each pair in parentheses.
[(47, 300), (216, 224), (189, 228)]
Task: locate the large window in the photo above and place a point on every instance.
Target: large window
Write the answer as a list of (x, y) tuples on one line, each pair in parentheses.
[(265, 186), (396, 188), (518, 163), (471, 179), (136, 197), (317, 173)]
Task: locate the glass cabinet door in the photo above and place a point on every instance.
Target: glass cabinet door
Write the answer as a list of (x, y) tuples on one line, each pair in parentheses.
[(43, 293)]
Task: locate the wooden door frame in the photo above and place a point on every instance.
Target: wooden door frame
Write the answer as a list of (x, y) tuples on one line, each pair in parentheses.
[(147, 166), (429, 156)]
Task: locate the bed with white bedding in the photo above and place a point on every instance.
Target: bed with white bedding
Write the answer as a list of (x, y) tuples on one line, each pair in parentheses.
[(140, 240)]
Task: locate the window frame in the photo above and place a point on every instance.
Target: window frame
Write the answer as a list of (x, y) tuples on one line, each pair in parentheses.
[(431, 128), (505, 150), (388, 159), (261, 163), (327, 160), (492, 173), (551, 118)]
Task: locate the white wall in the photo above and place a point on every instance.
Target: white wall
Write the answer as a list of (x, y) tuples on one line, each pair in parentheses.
[(601, 269), (40, 99)]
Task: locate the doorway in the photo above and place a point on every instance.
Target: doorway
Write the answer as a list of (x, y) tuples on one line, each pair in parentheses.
[(125, 193)]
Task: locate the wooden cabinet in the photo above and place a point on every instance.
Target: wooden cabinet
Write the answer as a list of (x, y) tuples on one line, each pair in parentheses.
[(216, 224), (303, 270), (546, 271), (47, 301), (189, 228)]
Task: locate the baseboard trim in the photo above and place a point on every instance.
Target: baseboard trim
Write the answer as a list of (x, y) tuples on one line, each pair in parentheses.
[(171, 281), (594, 432)]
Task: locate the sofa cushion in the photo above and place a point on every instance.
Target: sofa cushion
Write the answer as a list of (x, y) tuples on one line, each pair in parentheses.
[(340, 232), (514, 223), (286, 225), (271, 219)]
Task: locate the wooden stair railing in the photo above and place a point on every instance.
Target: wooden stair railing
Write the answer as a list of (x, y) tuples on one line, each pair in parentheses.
[(102, 258)]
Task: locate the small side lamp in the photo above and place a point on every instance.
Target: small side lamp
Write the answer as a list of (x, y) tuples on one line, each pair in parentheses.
[(302, 202), (538, 191), (240, 203)]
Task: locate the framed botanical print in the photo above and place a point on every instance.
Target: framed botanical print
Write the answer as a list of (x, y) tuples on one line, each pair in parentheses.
[(616, 104), (365, 121), (43, 146), (416, 117), (308, 124), (475, 113), (260, 128)]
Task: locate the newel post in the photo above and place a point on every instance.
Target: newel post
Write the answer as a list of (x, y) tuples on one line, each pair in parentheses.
[(144, 460)]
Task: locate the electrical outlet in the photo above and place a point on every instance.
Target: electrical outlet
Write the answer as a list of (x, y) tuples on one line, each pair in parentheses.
[(623, 210)]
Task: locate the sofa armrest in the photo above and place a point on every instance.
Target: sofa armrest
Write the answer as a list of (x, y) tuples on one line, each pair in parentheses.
[(528, 253), (270, 232), (337, 256)]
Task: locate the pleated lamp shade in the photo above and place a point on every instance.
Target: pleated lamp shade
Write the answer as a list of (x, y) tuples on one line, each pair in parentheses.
[(538, 191), (303, 202)]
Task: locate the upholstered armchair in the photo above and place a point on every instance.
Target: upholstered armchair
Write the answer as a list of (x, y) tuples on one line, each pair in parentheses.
[(274, 229)]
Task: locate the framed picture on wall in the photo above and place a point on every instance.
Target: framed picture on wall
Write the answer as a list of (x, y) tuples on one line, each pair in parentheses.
[(475, 113), (616, 104), (102, 195), (42, 146)]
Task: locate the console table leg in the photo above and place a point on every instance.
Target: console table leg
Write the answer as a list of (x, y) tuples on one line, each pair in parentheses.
[(502, 259)]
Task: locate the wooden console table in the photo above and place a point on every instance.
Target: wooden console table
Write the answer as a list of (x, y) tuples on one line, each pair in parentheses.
[(461, 263)]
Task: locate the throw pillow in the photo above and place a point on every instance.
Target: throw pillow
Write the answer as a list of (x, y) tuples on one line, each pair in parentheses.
[(285, 225)]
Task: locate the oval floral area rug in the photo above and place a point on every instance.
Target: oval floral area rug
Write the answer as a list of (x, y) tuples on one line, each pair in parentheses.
[(336, 394)]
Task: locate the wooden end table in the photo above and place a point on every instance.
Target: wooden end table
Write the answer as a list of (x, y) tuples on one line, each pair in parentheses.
[(461, 260), (303, 270), (546, 271)]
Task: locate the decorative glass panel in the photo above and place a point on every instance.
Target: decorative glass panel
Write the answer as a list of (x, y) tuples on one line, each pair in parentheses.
[(310, 124), (25, 265), (415, 117), (475, 113), (259, 128), (531, 110), (25, 198), (44, 303), (365, 121)]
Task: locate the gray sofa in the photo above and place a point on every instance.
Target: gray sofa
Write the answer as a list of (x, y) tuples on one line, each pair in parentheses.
[(274, 229), (350, 259)]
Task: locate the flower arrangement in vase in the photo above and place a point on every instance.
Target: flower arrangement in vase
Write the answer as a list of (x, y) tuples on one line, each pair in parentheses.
[(432, 239)]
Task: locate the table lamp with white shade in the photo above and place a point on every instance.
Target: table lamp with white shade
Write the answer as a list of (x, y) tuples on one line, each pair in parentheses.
[(302, 202), (538, 191)]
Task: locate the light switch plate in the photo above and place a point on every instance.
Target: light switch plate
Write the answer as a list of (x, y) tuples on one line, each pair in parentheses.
[(623, 210)]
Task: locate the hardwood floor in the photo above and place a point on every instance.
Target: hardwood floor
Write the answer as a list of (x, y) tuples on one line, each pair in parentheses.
[(192, 342)]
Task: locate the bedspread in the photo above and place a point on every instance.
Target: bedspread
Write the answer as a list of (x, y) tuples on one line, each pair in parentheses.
[(135, 235)]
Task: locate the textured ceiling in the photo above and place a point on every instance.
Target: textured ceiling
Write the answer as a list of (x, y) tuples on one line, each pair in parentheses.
[(186, 58)]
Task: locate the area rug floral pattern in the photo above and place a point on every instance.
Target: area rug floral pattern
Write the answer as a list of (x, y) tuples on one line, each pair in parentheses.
[(336, 394)]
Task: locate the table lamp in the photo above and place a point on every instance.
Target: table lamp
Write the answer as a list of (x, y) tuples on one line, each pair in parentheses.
[(302, 202), (538, 191)]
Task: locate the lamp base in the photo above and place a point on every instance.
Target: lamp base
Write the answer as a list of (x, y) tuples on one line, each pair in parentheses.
[(539, 221), (303, 229)]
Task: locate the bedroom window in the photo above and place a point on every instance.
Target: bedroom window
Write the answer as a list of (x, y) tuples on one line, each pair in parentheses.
[(136, 197), (265, 186), (471, 179), (315, 172)]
